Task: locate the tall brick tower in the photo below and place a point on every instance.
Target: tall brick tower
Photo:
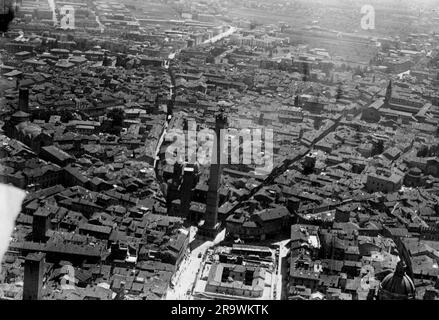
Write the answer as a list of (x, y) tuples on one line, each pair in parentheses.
[(33, 276), (389, 90), (23, 99), (40, 225), (211, 226), (186, 191)]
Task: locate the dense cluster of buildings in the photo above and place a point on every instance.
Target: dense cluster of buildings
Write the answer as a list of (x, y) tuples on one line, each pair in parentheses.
[(346, 168), (237, 272)]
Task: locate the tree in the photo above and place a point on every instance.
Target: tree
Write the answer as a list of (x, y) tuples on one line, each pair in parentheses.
[(117, 116), (66, 116), (378, 147), (423, 152), (42, 114), (120, 61)]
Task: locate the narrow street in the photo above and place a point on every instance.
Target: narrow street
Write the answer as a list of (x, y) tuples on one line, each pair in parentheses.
[(220, 36), (101, 26), (168, 119), (283, 251), (186, 274)]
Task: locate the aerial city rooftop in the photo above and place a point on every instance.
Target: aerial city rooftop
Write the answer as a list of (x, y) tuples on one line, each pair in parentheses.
[(340, 200)]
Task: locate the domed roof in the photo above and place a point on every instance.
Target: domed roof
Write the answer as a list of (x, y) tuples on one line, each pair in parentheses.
[(398, 283)]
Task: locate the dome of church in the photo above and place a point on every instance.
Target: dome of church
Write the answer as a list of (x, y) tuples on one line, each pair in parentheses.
[(397, 285)]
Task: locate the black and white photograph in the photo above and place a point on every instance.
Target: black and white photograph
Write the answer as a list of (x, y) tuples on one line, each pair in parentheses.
[(236, 151)]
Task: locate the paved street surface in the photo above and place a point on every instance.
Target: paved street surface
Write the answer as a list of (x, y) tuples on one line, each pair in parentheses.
[(283, 251), (220, 36), (185, 276)]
